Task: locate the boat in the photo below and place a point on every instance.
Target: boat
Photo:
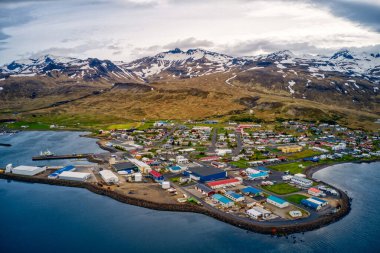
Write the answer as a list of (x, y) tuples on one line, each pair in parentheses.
[(46, 153)]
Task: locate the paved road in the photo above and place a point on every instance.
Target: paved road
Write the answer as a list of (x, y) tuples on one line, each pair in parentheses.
[(214, 135), (239, 144)]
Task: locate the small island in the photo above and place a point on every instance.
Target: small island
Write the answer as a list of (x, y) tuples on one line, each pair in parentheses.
[(256, 176)]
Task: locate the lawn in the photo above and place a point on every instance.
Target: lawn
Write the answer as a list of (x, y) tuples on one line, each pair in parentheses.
[(302, 154), (296, 198), (240, 164), (281, 188), (125, 126), (293, 168), (30, 125)]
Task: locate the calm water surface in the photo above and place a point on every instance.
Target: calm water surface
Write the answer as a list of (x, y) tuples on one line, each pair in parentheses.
[(43, 218)]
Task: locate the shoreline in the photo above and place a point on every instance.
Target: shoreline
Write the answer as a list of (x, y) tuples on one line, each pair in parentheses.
[(263, 228)]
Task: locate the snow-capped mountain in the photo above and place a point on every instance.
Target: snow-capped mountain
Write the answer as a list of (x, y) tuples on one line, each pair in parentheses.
[(182, 64), (52, 66), (344, 67)]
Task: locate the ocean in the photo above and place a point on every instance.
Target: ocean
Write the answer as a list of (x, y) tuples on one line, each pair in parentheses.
[(45, 218)]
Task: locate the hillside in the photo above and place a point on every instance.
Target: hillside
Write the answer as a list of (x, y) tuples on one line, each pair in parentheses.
[(195, 84)]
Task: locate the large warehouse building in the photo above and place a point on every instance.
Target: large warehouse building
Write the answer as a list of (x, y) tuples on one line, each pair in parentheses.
[(206, 173), (108, 176), (74, 176), (27, 170)]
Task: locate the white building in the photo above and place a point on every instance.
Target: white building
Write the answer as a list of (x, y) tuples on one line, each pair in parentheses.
[(27, 170), (222, 152), (108, 176), (165, 185), (74, 176), (138, 177), (258, 212), (340, 146), (145, 168), (301, 181), (254, 214), (181, 160)]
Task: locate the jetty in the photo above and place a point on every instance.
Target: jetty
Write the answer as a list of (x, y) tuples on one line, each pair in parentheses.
[(58, 157)]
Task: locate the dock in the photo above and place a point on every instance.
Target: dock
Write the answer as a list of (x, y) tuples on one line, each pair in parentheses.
[(57, 157)]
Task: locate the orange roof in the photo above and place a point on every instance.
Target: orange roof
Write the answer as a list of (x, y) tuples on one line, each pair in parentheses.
[(314, 189)]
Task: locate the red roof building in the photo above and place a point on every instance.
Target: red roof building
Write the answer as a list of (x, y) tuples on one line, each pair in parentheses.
[(223, 183), (209, 158)]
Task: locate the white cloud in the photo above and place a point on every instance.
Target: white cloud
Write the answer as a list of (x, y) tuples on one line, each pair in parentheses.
[(127, 29)]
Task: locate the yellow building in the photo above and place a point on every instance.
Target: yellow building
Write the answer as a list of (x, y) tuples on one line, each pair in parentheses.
[(290, 149)]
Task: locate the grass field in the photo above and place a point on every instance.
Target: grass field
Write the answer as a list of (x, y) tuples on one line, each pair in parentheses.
[(302, 154), (296, 198), (28, 125), (240, 164), (281, 189), (293, 168)]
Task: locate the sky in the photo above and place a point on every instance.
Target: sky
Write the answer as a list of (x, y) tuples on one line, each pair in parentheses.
[(129, 29)]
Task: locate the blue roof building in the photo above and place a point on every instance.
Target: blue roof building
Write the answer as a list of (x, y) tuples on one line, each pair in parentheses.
[(260, 175), (223, 200), (277, 201), (234, 196), (56, 173), (251, 190)]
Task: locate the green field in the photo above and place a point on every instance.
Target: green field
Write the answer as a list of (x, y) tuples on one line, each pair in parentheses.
[(28, 125), (281, 188), (302, 154), (296, 198), (240, 164), (293, 168)]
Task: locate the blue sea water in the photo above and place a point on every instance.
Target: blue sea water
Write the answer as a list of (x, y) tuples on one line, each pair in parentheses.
[(44, 218), (30, 143)]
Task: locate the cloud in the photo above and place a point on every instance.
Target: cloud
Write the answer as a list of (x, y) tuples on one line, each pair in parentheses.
[(188, 43), (362, 12)]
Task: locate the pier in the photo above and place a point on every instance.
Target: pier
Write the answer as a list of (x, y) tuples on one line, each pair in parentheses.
[(57, 157)]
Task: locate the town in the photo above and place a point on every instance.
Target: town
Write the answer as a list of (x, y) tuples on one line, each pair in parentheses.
[(256, 172)]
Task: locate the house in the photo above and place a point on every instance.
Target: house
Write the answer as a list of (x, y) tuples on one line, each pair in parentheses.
[(340, 146), (209, 158), (181, 160), (315, 192), (290, 149), (301, 181), (206, 173), (224, 183), (156, 175), (280, 203), (223, 152), (234, 196), (225, 202), (204, 189)]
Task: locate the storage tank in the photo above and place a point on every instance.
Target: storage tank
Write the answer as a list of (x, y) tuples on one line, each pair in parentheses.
[(165, 185)]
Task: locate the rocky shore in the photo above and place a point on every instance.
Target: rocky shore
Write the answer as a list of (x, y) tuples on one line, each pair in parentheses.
[(264, 228)]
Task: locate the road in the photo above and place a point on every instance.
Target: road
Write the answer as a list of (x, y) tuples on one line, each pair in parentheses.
[(214, 136), (239, 144)]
